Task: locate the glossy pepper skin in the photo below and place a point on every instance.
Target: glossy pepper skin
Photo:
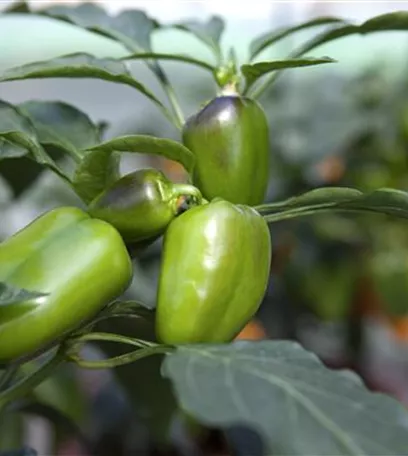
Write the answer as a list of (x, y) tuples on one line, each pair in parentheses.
[(214, 273), (141, 204), (230, 140), (82, 264)]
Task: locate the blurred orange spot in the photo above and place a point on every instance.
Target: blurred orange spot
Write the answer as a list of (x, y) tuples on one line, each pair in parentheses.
[(331, 169), (252, 331), (400, 328)]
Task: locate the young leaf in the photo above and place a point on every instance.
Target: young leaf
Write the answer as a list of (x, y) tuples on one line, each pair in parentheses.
[(61, 125), (385, 201), (81, 65), (287, 395), (208, 32), (95, 171), (132, 28), (253, 72), (268, 39), (10, 294), (386, 22)]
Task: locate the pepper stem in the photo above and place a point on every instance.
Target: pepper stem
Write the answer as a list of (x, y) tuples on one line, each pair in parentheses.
[(184, 197)]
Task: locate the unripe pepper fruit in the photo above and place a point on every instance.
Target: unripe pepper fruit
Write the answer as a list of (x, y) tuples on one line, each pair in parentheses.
[(230, 140), (214, 273), (141, 204), (80, 263)]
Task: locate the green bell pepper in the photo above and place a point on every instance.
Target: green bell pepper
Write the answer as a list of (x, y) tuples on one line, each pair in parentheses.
[(230, 140), (82, 264), (214, 273), (140, 205)]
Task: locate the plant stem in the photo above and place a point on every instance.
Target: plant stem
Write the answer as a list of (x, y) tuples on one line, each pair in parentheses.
[(171, 95), (121, 360), (27, 384)]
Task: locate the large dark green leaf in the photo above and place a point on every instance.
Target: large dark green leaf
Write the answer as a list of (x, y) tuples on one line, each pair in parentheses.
[(268, 39), (209, 32), (132, 28), (386, 22), (61, 125), (286, 394), (80, 65), (384, 201), (10, 294), (253, 72)]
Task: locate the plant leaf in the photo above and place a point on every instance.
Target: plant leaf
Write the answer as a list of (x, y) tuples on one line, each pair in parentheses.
[(132, 28), (253, 72), (287, 395), (96, 171), (208, 32), (80, 65), (175, 57), (386, 22), (61, 125), (385, 201), (17, 134), (10, 294), (270, 38), (18, 138)]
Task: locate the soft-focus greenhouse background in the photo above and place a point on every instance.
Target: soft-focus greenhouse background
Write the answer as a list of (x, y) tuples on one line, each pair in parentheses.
[(343, 124)]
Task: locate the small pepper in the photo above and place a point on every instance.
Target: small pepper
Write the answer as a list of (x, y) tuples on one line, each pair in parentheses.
[(141, 204)]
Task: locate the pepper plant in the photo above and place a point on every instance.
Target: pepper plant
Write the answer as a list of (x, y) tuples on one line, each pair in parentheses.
[(65, 273)]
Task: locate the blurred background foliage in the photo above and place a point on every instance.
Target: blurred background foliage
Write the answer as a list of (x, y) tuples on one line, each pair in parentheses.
[(338, 283)]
